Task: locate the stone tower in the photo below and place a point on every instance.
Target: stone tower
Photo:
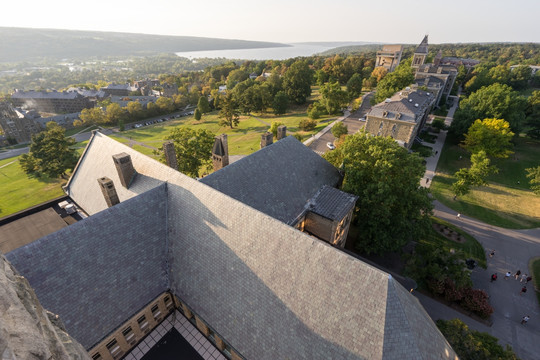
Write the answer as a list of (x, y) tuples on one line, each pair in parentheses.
[(109, 191), (124, 166), (220, 152), (281, 132), (267, 139), (170, 154), (438, 58), (420, 53)]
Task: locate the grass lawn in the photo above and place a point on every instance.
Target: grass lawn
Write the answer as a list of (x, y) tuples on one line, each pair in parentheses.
[(243, 139), (471, 247), (534, 269), (502, 202), (20, 192)]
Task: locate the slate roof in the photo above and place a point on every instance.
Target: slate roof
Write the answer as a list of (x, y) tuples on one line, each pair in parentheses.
[(404, 103), (100, 271), (270, 290), (218, 147), (278, 179), (332, 203), (429, 81), (45, 95), (423, 47)]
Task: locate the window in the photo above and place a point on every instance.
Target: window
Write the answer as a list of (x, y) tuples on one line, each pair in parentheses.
[(168, 302), (129, 335), (96, 356), (380, 129), (114, 349), (156, 312), (143, 324), (394, 130)]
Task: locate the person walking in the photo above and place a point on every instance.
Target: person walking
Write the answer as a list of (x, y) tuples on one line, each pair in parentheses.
[(523, 278), (529, 278), (492, 253), (516, 275), (458, 215), (507, 275), (493, 277), (523, 290), (525, 319)]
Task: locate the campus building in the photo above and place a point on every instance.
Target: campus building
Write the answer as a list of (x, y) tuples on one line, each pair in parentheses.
[(224, 253), (389, 57), (401, 116), (56, 102), (16, 125)]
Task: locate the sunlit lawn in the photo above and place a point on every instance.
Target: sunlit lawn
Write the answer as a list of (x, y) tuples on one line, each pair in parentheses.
[(507, 201), (20, 192)]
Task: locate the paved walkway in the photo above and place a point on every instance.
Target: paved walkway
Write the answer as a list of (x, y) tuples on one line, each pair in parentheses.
[(513, 250)]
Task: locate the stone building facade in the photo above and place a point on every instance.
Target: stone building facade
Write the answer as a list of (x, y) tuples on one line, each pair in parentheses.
[(55, 102), (389, 57)]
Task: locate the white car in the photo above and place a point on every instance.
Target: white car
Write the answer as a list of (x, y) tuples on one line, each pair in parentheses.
[(330, 146)]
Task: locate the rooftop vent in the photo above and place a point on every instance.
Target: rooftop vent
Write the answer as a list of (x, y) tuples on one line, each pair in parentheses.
[(410, 100), (415, 105), (428, 94), (408, 88), (387, 100)]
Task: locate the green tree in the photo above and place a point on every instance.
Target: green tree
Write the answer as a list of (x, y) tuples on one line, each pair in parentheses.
[(280, 103), (297, 81), (400, 78), (113, 114), (197, 115), (121, 125), (203, 105), (475, 175), (354, 86), (520, 76), (235, 77), (339, 129), (333, 97), (274, 126), (92, 116), (50, 153), (490, 135), (135, 109), (390, 212), (229, 114), (193, 149), (471, 344), (533, 115), (165, 105), (534, 175), (495, 101)]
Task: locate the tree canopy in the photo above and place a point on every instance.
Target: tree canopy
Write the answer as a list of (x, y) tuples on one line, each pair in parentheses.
[(534, 175), (490, 135), (400, 78), (333, 97), (203, 105), (280, 103), (297, 81), (392, 208), (193, 149), (229, 114), (476, 175), (339, 129), (50, 153)]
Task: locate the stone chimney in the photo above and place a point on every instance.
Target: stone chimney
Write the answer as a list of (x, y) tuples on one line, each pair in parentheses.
[(170, 154), (267, 139), (281, 132), (124, 166), (109, 191), (220, 152)]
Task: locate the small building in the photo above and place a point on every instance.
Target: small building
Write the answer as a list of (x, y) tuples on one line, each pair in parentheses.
[(56, 102), (16, 125), (401, 116), (118, 89), (389, 57)]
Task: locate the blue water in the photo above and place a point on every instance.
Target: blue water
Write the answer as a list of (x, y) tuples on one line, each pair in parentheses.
[(274, 53)]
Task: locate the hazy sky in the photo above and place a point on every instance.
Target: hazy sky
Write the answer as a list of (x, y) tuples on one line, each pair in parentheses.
[(400, 21)]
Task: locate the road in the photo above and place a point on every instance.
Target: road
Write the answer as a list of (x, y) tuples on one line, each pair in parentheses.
[(352, 121)]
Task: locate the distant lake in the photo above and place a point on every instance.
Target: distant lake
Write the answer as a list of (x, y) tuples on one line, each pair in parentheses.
[(273, 53)]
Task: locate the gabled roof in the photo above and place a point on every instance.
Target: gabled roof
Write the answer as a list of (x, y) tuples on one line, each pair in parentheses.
[(410, 104), (332, 203), (423, 47), (278, 179), (99, 272), (270, 290)]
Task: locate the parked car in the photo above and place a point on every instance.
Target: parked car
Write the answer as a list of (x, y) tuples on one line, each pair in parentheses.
[(330, 146)]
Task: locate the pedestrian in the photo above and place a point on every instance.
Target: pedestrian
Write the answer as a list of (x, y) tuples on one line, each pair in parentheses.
[(458, 215), (525, 319), (493, 277), (523, 290), (529, 278), (436, 152), (492, 253), (516, 275), (508, 274), (427, 181), (460, 157), (523, 278)]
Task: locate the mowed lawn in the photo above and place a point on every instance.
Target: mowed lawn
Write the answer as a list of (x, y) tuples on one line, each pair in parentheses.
[(243, 139), (507, 201), (20, 192)]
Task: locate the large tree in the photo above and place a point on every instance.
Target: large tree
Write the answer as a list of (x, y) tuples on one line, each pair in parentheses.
[(533, 115), (92, 116), (229, 115), (51, 153), (401, 77), (494, 101), (354, 85), (333, 97), (490, 135), (280, 103), (392, 208), (297, 81), (203, 105), (475, 175), (193, 149), (534, 175)]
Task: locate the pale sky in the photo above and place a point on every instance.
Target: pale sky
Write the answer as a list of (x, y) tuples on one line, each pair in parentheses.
[(390, 21)]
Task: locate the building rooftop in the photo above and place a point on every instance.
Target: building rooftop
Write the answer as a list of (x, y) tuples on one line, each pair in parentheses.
[(406, 105), (19, 94), (423, 47), (332, 203), (278, 179), (271, 291)]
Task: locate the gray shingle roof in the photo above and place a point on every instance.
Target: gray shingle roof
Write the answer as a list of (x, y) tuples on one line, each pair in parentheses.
[(423, 47), (404, 105), (332, 203), (277, 180), (270, 290)]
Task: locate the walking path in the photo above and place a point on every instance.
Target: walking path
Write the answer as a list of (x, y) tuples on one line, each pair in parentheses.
[(513, 250)]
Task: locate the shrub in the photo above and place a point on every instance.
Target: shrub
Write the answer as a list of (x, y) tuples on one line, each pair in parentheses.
[(307, 125), (439, 124), (477, 301), (451, 292)]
